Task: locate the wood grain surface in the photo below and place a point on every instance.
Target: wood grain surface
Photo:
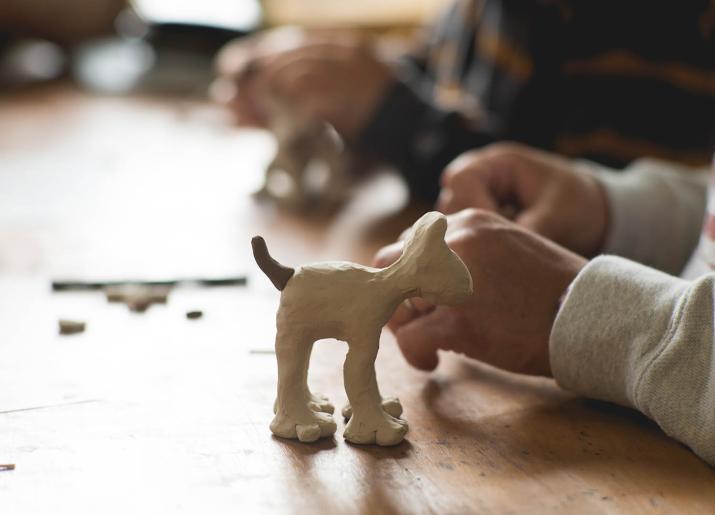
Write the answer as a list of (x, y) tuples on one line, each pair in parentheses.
[(154, 413)]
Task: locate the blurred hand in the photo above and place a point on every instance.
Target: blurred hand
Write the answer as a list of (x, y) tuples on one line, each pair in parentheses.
[(519, 278), (331, 76), (538, 190)]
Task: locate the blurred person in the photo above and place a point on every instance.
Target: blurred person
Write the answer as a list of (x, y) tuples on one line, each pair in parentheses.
[(610, 328), (609, 81)]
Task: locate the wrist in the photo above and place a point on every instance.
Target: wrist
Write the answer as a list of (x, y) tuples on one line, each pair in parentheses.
[(591, 212), (601, 217)]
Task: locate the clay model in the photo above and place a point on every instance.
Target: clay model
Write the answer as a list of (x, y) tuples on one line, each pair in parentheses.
[(137, 297), (311, 166), (351, 302), (71, 326)]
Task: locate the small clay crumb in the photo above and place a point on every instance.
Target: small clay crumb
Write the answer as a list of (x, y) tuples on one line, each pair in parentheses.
[(71, 326), (261, 351), (193, 315), (137, 297), (138, 304), (7, 466)]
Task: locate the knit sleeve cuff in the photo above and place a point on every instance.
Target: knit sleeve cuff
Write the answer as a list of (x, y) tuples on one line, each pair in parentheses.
[(655, 211), (610, 308)]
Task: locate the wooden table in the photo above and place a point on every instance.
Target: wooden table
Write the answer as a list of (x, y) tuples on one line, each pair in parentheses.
[(154, 413)]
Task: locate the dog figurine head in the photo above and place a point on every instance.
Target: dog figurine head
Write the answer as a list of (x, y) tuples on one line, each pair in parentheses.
[(438, 274)]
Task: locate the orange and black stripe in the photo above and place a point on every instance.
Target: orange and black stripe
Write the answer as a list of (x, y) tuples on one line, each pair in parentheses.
[(610, 81)]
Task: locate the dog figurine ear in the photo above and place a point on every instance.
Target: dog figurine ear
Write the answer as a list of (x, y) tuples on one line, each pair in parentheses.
[(430, 227), (436, 225)]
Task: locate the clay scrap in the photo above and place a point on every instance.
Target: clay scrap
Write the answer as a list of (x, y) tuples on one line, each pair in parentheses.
[(137, 297), (71, 326)]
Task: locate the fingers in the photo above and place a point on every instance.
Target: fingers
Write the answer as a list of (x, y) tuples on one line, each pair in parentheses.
[(241, 63), (334, 79), (467, 182), (420, 338), (238, 56), (234, 56), (418, 342), (388, 255), (408, 311)]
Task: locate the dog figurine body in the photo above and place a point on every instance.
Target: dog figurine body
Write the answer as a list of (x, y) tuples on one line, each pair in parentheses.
[(351, 302)]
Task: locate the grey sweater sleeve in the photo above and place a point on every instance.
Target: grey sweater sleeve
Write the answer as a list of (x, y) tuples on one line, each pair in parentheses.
[(632, 335), (656, 211)]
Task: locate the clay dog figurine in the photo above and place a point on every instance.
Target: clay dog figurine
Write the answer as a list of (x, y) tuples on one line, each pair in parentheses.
[(351, 302)]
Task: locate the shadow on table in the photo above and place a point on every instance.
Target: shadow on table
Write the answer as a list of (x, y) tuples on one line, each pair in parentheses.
[(380, 485), (329, 482), (375, 453), (306, 449), (556, 432)]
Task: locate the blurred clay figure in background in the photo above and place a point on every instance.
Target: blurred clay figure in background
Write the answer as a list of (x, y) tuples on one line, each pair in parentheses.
[(545, 74), (311, 167)]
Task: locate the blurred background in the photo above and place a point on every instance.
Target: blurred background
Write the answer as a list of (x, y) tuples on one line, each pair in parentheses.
[(116, 166), (118, 46), (113, 161)]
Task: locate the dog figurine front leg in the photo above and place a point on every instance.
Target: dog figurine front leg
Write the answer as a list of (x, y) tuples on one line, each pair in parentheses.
[(369, 422), (316, 401)]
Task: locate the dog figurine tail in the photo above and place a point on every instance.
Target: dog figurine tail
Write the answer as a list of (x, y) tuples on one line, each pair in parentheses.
[(277, 273)]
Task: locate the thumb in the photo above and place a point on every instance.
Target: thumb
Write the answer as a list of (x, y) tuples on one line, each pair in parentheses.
[(388, 255), (420, 339)]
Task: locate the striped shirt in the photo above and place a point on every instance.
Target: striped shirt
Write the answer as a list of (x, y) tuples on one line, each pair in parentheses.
[(607, 81)]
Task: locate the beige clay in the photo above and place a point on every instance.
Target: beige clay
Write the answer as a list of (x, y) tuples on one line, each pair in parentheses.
[(351, 302)]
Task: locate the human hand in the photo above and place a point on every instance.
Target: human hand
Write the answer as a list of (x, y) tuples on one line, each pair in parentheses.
[(332, 77), (540, 191), (518, 277)]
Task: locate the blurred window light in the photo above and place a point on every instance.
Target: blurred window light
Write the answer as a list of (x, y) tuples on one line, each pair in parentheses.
[(112, 65), (241, 15), (368, 13)]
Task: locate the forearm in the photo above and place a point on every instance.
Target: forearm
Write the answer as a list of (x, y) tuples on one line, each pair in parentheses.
[(635, 336), (655, 211)]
